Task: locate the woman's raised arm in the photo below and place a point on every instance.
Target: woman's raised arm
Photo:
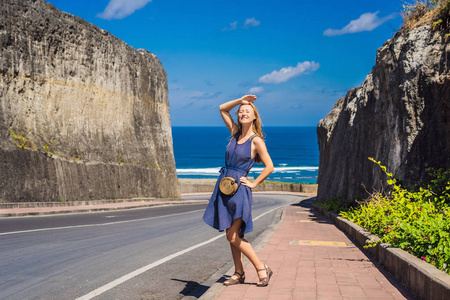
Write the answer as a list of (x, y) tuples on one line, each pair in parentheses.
[(227, 106)]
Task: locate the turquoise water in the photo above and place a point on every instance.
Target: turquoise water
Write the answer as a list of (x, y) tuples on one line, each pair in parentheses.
[(200, 152)]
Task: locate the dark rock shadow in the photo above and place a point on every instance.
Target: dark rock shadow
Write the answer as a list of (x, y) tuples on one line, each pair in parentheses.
[(196, 290), (305, 203), (389, 276), (191, 287), (313, 214)]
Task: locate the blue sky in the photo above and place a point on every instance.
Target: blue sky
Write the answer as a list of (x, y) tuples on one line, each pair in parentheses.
[(298, 57)]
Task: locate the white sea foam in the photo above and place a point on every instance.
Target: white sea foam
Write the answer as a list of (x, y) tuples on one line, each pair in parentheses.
[(200, 171), (215, 171), (287, 169)]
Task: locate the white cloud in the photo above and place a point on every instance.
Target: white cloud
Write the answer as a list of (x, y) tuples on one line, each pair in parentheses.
[(233, 26), (181, 97), (287, 73), (252, 22), (256, 90), (366, 22), (119, 9), (205, 95)]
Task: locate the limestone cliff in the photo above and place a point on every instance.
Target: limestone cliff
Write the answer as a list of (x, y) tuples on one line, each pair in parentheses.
[(82, 114), (400, 116)]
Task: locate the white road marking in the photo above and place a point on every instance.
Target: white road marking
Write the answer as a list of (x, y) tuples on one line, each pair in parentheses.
[(267, 212), (133, 274), (93, 225)]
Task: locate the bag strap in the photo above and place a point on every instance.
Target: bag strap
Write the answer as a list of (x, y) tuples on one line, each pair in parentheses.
[(232, 155)]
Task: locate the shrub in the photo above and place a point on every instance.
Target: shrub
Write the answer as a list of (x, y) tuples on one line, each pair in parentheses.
[(21, 141), (417, 222), (334, 205), (424, 10)]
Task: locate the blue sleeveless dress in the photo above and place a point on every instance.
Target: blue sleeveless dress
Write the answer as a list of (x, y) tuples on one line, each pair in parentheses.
[(222, 210)]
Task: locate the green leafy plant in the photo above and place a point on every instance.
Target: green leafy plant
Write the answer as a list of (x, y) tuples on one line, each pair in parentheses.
[(334, 205), (442, 17), (49, 148), (437, 23), (21, 141), (439, 187), (77, 154), (417, 222)]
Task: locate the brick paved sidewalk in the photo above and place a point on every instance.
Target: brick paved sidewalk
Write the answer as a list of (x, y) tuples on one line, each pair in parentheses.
[(312, 259)]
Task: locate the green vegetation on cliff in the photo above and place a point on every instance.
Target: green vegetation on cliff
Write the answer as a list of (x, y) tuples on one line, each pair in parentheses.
[(435, 12)]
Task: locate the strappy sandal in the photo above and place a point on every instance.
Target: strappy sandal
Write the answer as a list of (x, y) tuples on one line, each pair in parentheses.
[(233, 281), (265, 280)]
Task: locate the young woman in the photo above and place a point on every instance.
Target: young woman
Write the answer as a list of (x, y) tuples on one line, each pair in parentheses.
[(233, 213)]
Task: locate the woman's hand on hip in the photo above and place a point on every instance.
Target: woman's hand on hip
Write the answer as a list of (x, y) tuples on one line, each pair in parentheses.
[(246, 182)]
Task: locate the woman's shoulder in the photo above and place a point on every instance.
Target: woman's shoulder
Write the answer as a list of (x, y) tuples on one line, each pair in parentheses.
[(257, 139), (234, 130)]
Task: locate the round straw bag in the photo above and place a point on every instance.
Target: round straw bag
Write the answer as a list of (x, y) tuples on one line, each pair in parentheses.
[(228, 186)]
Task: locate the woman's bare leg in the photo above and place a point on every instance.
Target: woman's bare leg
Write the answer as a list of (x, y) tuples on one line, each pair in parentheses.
[(237, 258), (240, 245)]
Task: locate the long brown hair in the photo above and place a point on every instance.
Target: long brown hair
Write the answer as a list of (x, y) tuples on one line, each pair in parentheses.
[(257, 127)]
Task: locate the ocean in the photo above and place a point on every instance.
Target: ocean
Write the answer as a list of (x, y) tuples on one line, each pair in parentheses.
[(200, 152)]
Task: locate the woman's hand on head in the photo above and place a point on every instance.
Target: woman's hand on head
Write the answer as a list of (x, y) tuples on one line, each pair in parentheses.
[(244, 181), (248, 99)]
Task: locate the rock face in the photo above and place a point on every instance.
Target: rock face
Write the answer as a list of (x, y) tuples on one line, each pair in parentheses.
[(82, 114), (399, 116)]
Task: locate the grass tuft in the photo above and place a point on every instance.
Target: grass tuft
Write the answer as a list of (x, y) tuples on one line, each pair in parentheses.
[(434, 12)]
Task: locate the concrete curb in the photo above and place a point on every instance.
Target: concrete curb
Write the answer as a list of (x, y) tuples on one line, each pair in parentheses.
[(23, 209), (422, 279), (207, 186), (257, 193), (52, 210), (71, 203)]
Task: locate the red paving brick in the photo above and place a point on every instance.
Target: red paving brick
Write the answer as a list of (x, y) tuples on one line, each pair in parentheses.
[(315, 271)]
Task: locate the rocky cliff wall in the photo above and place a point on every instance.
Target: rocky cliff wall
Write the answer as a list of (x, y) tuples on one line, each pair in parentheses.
[(82, 114), (400, 116)]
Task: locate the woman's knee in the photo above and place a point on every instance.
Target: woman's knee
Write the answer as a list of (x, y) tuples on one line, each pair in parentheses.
[(233, 232), (233, 237), (230, 237)]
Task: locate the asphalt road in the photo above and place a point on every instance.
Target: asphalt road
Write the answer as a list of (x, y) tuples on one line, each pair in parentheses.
[(151, 253)]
